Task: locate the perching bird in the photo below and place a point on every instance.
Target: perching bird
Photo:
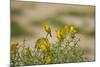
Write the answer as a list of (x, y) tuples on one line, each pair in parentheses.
[(47, 29)]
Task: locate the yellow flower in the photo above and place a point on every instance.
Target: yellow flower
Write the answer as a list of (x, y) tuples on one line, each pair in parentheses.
[(47, 44), (73, 29), (27, 51), (48, 60), (14, 48), (43, 44), (60, 34), (65, 30), (43, 48), (47, 29)]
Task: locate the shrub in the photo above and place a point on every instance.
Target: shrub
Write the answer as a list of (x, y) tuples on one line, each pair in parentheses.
[(65, 49)]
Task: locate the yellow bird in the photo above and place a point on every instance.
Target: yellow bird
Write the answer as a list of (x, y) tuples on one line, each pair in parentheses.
[(47, 29)]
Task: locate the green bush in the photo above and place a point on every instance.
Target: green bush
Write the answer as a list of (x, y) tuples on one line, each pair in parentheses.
[(65, 50)]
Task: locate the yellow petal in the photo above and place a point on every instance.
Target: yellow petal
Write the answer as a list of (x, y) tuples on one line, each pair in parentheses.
[(48, 60)]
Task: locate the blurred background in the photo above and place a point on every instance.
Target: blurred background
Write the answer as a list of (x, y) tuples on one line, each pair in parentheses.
[(27, 20)]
